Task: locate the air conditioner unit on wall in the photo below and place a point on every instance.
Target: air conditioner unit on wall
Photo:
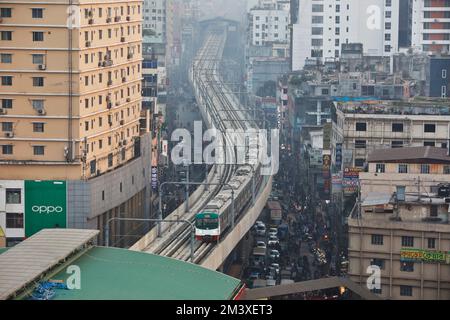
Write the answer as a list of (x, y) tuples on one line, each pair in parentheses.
[(9, 134), (42, 67), (2, 111)]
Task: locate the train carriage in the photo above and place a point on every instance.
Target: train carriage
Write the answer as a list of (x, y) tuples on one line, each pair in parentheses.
[(220, 207)]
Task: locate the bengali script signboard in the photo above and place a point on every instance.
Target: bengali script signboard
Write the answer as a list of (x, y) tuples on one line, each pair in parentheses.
[(427, 256), (350, 181)]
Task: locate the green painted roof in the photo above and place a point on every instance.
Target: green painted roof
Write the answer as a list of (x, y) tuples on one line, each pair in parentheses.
[(112, 273), (3, 250)]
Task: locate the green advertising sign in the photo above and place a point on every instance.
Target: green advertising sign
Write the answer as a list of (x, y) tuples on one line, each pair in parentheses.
[(427, 256), (45, 205)]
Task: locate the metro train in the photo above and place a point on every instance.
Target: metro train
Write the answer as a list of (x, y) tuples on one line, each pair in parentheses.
[(216, 217)]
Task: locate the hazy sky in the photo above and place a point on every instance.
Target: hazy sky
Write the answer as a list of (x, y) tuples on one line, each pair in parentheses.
[(230, 9)]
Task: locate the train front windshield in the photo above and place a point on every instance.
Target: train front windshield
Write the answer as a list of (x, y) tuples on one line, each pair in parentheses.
[(207, 223)]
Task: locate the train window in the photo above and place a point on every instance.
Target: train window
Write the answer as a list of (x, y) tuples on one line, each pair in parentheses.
[(207, 223)]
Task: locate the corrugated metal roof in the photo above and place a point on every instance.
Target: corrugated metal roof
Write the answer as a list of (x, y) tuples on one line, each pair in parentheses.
[(25, 262), (409, 154)]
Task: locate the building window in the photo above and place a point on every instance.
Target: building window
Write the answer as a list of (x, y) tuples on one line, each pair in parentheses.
[(38, 58), (406, 291), (380, 167), (377, 239), (402, 168), (377, 262), (38, 150), (361, 126), (425, 168), (37, 13), (13, 196), (443, 92), (446, 169), (433, 211), (7, 103), (37, 104), (93, 166), (407, 241), (429, 144), (397, 127), (376, 291), (6, 80), (397, 144), (7, 126), (14, 220), (110, 160), (6, 58), (406, 266), (431, 243), (5, 12), (359, 162), (38, 127), (7, 149), (38, 81), (38, 36), (6, 35), (360, 144), (444, 73), (429, 127)]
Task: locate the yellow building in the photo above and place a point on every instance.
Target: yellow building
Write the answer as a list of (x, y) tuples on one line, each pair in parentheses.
[(70, 109), (70, 87)]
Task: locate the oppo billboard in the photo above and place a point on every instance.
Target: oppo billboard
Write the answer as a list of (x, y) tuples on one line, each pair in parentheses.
[(45, 205)]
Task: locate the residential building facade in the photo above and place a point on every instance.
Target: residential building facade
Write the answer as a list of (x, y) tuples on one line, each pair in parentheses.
[(402, 226), (70, 94)]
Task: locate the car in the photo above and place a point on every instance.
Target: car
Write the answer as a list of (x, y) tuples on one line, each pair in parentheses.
[(274, 254), (273, 241), (254, 276), (269, 277), (261, 244), (276, 267), (260, 230), (273, 232), (259, 222)]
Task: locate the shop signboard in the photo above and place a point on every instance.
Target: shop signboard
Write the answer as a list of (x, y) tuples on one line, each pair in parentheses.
[(426, 256), (350, 180)]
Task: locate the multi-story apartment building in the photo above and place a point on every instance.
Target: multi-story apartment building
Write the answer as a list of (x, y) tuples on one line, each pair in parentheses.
[(362, 126), (402, 224), (430, 73), (158, 23), (321, 27), (269, 22), (430, 25), (70, 91)]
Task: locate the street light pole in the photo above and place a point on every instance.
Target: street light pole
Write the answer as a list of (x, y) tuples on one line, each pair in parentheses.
[(186, 209)]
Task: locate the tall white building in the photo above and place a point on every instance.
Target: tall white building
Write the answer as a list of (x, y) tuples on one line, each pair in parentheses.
[(430, 28), (323, 25), (155, 18), (269, 22)]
